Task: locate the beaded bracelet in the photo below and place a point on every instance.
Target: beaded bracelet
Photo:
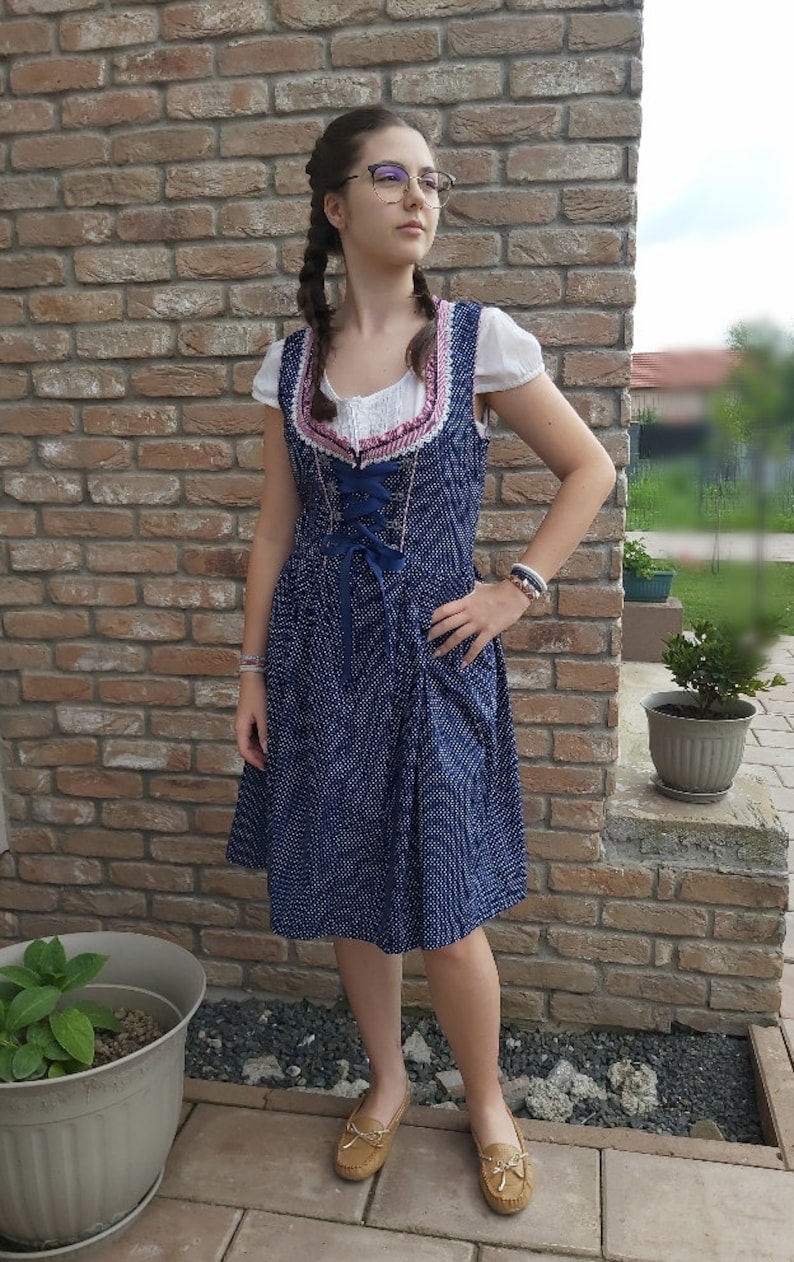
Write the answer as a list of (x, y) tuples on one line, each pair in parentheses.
[(253, 659), (524, 586), (250, 669), (531, 576)]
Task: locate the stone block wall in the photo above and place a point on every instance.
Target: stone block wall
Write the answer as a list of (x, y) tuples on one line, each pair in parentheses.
[(152, 208)]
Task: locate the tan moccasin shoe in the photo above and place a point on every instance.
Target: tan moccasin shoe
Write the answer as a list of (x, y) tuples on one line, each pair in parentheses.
[(364, 1144), (506, 1176)]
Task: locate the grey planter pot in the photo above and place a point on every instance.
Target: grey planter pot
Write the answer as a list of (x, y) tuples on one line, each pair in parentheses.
[(696, 756), (81, 1155)]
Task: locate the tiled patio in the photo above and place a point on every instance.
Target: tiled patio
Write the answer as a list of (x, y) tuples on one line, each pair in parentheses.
[(250, 1177), (249, 1181)]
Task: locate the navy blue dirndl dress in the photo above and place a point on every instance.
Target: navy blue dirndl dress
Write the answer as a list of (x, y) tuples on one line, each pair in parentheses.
[(390, 808)]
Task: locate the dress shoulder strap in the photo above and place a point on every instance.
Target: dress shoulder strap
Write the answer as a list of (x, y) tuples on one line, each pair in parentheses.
[(292, 362)]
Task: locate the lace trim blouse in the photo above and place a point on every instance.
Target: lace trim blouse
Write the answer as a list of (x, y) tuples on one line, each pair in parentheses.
[(507, 356)]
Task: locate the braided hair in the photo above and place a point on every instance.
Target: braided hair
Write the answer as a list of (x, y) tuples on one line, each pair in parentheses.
[(334, 154)]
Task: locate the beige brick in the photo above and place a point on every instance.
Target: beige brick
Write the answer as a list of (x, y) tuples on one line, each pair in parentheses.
[(688, 922), (741, 891), (731, 961)]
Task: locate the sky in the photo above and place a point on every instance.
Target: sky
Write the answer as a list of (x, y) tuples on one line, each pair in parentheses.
[(716, 171)]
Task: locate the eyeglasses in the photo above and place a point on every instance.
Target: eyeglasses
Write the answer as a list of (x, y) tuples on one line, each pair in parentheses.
[(391, 182)]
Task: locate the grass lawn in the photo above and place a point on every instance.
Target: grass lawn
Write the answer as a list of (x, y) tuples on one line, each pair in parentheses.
[(731, 591)]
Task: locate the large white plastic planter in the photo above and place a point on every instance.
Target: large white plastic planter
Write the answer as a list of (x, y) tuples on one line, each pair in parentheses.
[(696, 759), (81, 1155)]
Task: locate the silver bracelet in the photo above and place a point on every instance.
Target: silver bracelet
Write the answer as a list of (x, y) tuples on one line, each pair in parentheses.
[(250, 668), (531, 576)]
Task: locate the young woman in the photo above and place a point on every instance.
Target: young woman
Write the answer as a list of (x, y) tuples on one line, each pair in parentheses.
[(381, 789)]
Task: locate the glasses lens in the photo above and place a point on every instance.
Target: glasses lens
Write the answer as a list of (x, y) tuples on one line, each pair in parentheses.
[(391, 183)]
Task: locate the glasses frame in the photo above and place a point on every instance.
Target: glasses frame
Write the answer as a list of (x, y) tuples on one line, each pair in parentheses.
[(375, 166)]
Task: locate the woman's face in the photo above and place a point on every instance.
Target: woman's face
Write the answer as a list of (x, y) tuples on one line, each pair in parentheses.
[(397, 232)]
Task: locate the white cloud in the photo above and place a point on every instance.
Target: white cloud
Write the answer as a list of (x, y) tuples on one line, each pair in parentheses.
[(716, 174)]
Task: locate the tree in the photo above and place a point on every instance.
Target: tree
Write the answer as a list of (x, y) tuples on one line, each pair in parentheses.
[(756, 408)]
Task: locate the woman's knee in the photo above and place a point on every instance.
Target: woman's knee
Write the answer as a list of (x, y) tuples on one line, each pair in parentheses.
[(461, 952)]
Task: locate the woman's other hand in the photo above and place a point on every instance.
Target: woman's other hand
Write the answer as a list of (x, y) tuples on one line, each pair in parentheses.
[(487, 611), (250, 724)]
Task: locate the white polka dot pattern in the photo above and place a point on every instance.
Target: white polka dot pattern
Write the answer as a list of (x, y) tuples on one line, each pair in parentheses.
[(390, 810)]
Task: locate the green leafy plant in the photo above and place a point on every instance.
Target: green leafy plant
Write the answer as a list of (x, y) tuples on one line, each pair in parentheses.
[(720, 662), (637, 560), (39, 1039)]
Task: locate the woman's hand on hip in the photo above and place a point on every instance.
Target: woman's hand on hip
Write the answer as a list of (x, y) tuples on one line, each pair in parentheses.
[(487, 611), (250, 724)]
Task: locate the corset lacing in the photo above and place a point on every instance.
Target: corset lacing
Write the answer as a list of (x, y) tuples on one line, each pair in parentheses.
[(364, 499)]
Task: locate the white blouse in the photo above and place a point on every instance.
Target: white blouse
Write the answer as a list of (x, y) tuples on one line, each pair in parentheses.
[(507, 356)]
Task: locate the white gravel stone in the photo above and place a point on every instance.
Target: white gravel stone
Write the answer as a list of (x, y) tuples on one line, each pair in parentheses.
[(637, 1086), (349, 1090), (562, 1075), (547, 1103), (416, 1050), (452, 1083), (262, 1069), (585, 1088)]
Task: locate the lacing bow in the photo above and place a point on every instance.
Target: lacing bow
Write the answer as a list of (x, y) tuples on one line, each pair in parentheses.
[(375, 1138), (364, 499), (499, 1166)]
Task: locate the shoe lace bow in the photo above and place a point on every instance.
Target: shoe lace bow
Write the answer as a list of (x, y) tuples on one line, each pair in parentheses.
[(501, 1166), (374, 1137)]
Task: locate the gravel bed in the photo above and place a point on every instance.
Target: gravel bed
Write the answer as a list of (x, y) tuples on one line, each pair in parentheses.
[(697, 1077)]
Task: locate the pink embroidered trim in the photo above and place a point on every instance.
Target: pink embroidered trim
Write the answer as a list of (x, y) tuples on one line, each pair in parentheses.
[(402, 438)]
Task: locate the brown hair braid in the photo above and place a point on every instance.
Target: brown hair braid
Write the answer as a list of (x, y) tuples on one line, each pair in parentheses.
[(334, 154)]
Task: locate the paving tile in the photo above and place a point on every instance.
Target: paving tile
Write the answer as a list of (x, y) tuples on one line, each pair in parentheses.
[(280, 1238), (759, 771), (169, 1231), (787, 776), (488, 1254), (782, 800), (775, 739), (659, 1209), (774, 757), (430, 1184), (788, 1035), (771, 723), (787, 1004), (261, 1160)]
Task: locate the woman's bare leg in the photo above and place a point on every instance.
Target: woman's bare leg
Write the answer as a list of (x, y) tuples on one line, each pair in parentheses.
[(372, 982), (464, 987)]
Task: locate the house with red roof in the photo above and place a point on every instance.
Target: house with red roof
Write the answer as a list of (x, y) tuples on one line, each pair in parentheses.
[(676, 386)]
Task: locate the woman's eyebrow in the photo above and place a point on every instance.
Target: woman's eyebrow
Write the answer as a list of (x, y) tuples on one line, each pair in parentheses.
[(393, 162)]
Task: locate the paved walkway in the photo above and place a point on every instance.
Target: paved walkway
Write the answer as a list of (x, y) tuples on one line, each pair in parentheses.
[(250, 1178), (702, 545)]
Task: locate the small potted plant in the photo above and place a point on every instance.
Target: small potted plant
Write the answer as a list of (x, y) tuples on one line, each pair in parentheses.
[(643, 577), (697, 736), (91, 1078)]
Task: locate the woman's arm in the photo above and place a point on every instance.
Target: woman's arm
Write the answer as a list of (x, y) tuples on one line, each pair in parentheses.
[(540, 415), (271, 545)]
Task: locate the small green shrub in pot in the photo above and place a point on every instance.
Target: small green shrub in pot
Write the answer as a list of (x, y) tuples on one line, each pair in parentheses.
[(717, 664), (644, 578), (637, 560), (37, 1038)]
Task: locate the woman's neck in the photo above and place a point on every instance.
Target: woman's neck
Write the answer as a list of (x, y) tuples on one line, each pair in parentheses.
[(373, 306)]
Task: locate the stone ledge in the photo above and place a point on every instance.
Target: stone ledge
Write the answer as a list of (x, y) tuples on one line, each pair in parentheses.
[(740, 833)]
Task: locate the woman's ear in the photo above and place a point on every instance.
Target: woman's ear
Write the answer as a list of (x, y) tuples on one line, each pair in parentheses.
[(335, 210)]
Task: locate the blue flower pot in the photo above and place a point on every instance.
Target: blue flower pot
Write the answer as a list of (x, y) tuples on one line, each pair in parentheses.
[(654, 590)]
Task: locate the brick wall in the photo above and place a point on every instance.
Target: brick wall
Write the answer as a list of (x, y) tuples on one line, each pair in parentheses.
[(152, 206)]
